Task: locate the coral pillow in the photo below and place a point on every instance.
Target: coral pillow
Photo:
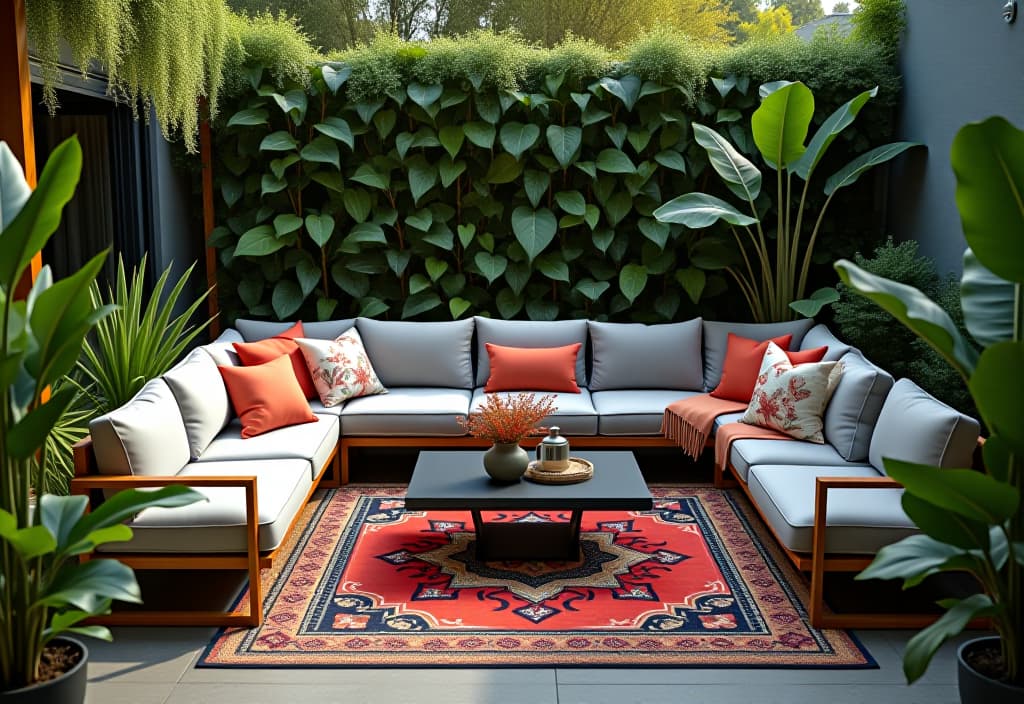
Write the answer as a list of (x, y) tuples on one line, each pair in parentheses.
[(340, 368), (791, 398), (265, 350), (533, 368), (742, 362), (266, 396)]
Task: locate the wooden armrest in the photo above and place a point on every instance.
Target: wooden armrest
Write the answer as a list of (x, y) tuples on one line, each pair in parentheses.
[(826, 483), (80, 484)]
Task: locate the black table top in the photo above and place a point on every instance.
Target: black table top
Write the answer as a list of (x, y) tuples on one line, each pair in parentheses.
[(457, 481)]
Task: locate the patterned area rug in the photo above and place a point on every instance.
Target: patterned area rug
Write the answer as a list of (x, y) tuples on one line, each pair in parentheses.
[(693, 583)]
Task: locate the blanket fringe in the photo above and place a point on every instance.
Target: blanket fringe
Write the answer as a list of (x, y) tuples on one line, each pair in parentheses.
[(690, 438)]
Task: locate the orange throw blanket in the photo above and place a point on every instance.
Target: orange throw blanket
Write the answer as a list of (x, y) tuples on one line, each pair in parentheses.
[(731, 432), (688, 422)]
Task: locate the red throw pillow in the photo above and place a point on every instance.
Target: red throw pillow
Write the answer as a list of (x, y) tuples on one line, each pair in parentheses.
[(533, 368), (742, 363), (273, 347), (810, 356), (266, 396)]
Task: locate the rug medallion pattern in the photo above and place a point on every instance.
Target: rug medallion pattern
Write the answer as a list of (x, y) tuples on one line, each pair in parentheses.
[(690, 583)]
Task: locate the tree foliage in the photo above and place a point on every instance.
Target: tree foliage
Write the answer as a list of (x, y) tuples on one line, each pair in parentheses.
[(770, 23), (880, 22), (803, 11)]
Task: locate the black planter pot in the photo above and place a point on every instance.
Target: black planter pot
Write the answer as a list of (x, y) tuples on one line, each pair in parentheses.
[(69, 688), (976, 688)]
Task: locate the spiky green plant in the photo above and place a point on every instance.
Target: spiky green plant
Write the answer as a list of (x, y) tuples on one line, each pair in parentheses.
[(140, 340)]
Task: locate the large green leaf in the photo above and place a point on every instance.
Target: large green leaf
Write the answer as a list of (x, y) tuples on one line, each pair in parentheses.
[(916, 311), (912, 559), (357, 203), (739, 174), (322, 150), (987, 302), (29, 222), (420, 303), (693, 281), (833, 125), (249, 117), (285, 223), (553, 266), (615, 161), (997, 387), (29, 542), (91, 585), (516, 137), (25, 437), (422, 176), (338, 129), (308, 274), (320, 228), (293, 103), (504, 169), (450, 170), (481, 134), (127, 503), (654, 230), (632, 281), (571, 202), (988, 160), (425, 96), (781, 122), (368, 176), (287, 298), (335, 75), (849, 174), (534, 229), (492, 266), (258, 241), (698, 210), (451, 137), (591, 289), (564, 141), (626, 89), (924, 644), (965, 492), (946, 526), (279, 141), (536, 184)]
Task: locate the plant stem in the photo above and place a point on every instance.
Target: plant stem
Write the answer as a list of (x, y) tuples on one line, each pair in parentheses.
[(802, 284)]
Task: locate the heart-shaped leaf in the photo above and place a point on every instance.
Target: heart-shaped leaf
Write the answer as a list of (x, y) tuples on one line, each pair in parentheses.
[(564, 142), (287, 298), (692, 280), (336, 128), (504, 169), (632, 281), (449, 170), (279, 141), (615, 161), (422, 176), (492, 266), (258, 241), (322, 150), (249, 117), (320, 229), (481, 134), (357, 203), (451, 137), (536, 184), (534, 229), (335, 75), (457, 306), (571, 202), (516, 137)]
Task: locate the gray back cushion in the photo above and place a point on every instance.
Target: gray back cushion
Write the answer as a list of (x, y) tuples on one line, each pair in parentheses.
[(420, 354), (529, 333), (222, 350), (851, 414), (716, 336), (638, 356), (146, 436), (262, 329), (916, 427), (821, 336), (202, 399)]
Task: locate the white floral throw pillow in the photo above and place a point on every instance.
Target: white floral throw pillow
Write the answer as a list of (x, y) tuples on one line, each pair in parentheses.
[(340, 368), (792, 399)]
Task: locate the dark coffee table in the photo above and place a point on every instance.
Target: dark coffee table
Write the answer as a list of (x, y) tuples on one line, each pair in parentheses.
[(456, 481)]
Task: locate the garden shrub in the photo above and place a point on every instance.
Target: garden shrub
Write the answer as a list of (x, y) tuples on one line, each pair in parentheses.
[(482, 175), (892, 346)]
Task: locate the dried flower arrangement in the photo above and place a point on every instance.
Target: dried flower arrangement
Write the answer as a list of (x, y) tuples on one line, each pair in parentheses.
[(504, 419)]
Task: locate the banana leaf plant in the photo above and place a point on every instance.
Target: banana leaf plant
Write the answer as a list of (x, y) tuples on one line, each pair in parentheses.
[(774, 284), (969, 520), (45, 590)]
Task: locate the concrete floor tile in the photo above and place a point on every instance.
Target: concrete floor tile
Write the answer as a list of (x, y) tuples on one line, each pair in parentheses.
[(127, 693), (759, 693), (384, 691), (480, 677), (146, 654)]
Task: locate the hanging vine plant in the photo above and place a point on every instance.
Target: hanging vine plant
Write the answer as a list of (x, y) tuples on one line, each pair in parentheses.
[(163, 55)]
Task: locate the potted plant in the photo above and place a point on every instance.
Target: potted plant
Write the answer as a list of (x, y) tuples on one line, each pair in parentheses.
[(505, 421), (46, 590), (972, 521)]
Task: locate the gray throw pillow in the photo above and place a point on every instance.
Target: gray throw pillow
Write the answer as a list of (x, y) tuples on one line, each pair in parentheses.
[(821, 336), (202, 399), (638, 356), (851, 414)]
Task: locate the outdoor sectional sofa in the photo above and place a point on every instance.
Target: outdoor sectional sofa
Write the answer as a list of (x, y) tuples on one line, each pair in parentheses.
[(180, 429)]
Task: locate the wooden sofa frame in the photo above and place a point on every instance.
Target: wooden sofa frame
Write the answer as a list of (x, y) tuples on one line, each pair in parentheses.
[(88, 481)]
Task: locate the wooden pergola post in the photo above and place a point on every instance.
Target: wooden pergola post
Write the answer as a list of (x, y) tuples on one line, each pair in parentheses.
[(16, 103)]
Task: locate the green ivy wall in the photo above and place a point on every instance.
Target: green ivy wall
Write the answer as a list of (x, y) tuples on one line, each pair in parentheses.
[(523, 194)]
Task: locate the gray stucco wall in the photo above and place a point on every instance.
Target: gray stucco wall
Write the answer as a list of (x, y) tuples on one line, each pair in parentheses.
[(960, 62)]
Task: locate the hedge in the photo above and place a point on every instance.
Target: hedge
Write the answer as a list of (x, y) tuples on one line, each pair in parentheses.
[(484, 176)]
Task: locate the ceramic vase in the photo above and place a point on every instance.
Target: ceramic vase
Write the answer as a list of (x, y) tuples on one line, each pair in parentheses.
[(506, 462)]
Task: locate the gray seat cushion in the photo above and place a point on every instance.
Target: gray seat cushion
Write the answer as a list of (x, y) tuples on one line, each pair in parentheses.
[(408, 411), (420, 354), (218, 524), (821, 336), (202, 399), (748, 453), (853, 410), (716, 335), (146, 436), (321, 330), (638, 356), (317, 406), (860, 521), (313, 442), (529, 333), (575, 413), (634, 412), (726, 418), (914, 426)]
